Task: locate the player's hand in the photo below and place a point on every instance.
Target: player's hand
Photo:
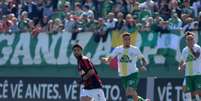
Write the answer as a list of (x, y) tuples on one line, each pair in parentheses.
[(143, 68), (104, 60), (182, 67)]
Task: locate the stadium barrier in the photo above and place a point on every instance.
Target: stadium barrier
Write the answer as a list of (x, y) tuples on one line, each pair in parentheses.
[(67, 89)]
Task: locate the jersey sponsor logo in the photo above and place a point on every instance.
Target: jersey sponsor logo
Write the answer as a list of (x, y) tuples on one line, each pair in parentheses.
[(125, 59), (190, 58)]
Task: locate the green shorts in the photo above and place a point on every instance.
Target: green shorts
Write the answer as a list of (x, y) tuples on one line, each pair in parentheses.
[(131, 80), (193, 83)]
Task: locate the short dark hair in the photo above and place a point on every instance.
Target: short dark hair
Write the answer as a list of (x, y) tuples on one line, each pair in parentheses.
[(86, 6), (189, 33), (125, 34), (77, 45)]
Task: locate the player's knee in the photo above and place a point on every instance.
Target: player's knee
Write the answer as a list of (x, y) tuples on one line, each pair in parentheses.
[(131, 91), (198, 92), (129, 98), (85, 98), (184, 89)]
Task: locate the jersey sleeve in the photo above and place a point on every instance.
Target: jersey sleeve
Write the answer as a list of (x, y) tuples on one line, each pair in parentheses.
[(114, 52), (199, 51), (182, 58)]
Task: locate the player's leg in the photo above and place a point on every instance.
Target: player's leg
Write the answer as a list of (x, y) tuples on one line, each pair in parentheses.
[(95, 95), (98, 95), (196, 95), (132, 94), (197, 86), (124, 81), (101, 95), (85, 95), (187, 95), (86, 98), (190, 86), (130, 84)]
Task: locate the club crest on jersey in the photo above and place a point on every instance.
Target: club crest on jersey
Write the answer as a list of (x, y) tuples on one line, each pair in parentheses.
[(82, 72), (125, 58), (190, 58)]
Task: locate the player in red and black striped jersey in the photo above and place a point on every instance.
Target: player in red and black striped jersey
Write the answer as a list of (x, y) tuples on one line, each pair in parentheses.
[(92, 84)]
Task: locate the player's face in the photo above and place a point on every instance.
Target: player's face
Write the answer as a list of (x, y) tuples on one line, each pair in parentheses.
[(77, 52), (190, 41), (126, 41)]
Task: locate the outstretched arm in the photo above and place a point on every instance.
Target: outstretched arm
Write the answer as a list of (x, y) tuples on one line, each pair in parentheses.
[(106, 60), (144, 64), (182, 65)]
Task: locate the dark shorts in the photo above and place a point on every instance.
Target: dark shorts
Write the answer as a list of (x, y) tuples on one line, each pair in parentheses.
[(131, 80), (193, 83)]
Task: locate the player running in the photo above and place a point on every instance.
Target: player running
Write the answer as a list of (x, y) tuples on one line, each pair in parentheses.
[(92, 90), (127, 56)]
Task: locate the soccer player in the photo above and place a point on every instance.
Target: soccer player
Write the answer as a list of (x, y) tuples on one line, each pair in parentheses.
[(191, 64), (92, 90), (127, 56)]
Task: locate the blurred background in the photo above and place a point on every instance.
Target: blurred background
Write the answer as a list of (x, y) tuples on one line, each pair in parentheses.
[(36, 37)]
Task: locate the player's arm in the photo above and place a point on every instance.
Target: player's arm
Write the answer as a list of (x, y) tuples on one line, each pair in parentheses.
[(195, 54), (108, 59), (89, 70), (182, 65), (143, 64), (89, 74)]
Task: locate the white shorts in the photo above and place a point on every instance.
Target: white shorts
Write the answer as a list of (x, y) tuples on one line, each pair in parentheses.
[(95, 94)]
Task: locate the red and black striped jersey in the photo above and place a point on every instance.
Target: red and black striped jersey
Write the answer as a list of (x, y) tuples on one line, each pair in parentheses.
[(84, 65)]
